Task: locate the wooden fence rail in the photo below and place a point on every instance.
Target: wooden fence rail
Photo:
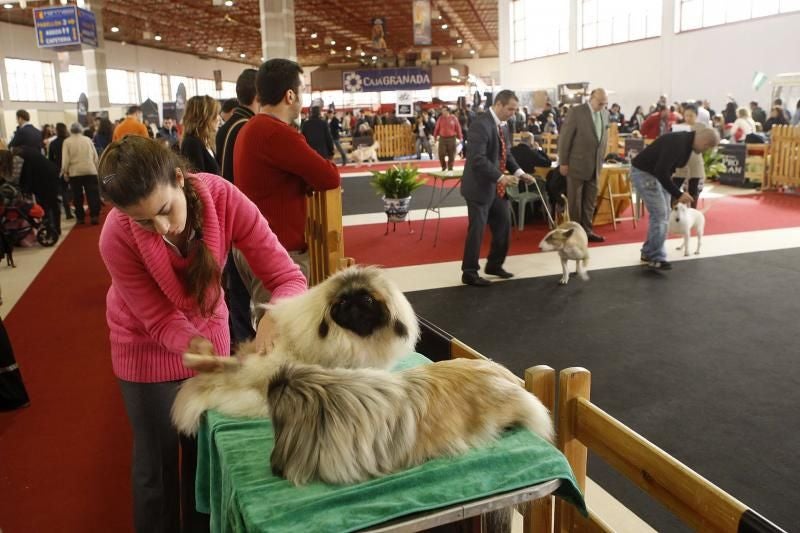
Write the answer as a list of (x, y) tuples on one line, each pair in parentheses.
[(785, 157), (395, 140), (324, 235)]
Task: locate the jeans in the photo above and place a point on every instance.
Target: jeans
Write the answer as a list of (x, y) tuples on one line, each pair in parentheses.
[(338, 145), (658, 202), (423, 143)]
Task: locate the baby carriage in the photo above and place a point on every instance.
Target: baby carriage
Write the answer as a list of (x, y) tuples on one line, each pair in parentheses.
[(22, 220)]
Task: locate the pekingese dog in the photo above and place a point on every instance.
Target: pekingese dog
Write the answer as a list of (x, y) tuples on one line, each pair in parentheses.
[(343, 425), (356, 318)]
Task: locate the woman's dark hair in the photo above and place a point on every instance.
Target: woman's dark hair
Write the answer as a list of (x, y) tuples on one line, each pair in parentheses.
[(106, 128), (130, 170), (274, 78), (6, 164), (61, 131)]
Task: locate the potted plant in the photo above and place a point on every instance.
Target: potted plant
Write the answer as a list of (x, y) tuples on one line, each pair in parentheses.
[(712, 161), (395, 187)]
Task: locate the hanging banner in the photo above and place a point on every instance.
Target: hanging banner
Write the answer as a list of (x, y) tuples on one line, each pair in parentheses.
[(405, 104), (387, 79), (422, 22), (64, 26), (180, 102), (150, 112), (378, 34)]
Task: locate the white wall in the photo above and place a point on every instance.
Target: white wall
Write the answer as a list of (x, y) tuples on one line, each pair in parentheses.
[(19, 42), (709, 63)]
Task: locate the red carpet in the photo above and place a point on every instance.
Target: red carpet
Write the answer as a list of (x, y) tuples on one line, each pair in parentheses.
[(732, 214), (65, 460)]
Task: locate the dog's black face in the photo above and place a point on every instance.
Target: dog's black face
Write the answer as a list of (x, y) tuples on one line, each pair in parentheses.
[(360, 312)]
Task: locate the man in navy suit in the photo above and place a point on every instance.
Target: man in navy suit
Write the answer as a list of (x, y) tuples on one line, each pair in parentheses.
[(26, 135), (483, 186)]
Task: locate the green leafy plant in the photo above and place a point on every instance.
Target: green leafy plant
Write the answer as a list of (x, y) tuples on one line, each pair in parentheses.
[(397, 182), (712, 161)]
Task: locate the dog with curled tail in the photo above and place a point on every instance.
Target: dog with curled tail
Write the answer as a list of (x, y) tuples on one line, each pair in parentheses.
[(343, 425), (356, 318)]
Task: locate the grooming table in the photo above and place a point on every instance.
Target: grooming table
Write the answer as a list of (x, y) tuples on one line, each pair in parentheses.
[(236, 487)]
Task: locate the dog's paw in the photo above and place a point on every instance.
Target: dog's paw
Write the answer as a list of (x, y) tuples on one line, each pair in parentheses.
[(697, 252), (563, 281), (584, 276)]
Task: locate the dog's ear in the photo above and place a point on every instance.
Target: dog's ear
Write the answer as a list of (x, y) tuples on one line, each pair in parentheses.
[(323, 329), (400, 329), (568, 233)]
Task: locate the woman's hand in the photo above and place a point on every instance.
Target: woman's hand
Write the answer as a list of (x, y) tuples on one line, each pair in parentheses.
[(266, 333), (201, 346)]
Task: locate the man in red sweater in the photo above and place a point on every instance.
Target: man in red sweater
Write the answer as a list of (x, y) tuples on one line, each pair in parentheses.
[(274, 165)]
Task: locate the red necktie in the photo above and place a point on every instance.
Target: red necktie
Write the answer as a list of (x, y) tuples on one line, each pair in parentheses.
[(501, 188)]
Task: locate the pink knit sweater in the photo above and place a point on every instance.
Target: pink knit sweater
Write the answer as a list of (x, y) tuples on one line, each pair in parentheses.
[(150, 315)]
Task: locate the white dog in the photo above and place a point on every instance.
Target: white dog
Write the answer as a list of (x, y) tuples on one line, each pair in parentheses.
[(682, 220), (569, 239), (366, 153)]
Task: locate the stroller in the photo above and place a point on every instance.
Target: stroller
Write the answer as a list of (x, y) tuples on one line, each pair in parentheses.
[(22, 220)]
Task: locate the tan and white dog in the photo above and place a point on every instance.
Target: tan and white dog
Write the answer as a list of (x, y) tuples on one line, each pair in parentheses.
[(356, 318), (364, 154), (569, 239), (343, 425), (682, 220)]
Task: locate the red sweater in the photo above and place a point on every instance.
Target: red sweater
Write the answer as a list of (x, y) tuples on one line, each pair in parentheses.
[(275, 167)]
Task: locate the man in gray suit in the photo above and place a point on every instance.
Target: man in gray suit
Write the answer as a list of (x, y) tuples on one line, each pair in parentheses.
[(582, 146), (483, 186)]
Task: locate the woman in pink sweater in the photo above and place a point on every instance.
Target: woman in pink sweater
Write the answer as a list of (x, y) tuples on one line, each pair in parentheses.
[(164, 244)]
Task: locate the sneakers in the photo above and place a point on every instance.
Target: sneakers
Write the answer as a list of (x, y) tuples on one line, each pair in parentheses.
[(659, 265)]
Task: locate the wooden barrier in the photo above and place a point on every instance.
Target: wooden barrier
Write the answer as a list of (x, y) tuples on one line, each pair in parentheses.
[(550, 145), (692, 498), (785, 161), (324, 235), (395, 140), (613, 139)]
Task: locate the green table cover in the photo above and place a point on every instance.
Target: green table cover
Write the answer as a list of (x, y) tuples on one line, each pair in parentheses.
[(235, 484)]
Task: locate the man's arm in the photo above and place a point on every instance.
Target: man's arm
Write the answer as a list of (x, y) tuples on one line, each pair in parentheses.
[(565, 140), (293, 154)]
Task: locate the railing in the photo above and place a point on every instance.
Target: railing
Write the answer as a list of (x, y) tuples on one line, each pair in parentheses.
[(395, 140), (784, 149), (324, 235)]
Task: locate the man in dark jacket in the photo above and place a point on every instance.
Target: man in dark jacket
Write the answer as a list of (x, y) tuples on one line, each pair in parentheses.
[(483, 186), (236, 292), (40, 178), (651, 174), (336, 132), (318, 133), (26, 135)]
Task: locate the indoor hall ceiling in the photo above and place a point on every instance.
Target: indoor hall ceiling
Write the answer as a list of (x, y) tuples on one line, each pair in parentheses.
[(201, 28)]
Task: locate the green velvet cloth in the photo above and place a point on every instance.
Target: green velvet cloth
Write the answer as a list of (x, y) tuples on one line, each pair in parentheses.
[(235, 485)]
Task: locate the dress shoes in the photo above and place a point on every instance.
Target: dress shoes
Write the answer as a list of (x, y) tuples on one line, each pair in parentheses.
[(499, 272), (594, 237), (471, 278)]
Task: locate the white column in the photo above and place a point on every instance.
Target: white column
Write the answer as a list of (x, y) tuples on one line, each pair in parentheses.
[(277, 29), (5, 133), (94, 59), (667, 52)]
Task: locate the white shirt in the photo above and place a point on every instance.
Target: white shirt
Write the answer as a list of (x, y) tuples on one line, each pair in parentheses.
[(703, 116), (745, 124)]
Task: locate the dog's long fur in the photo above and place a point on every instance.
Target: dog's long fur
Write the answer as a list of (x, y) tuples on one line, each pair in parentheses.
[(682, 220), (364, 154), (348, 425), (569, 239), (356, 318)]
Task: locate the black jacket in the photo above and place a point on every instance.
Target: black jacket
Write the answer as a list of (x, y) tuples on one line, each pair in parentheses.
[(226, 140), (664, 155), (336, 128), (54, 151), (318, 135), (198, 156), (482, 168), (39, 176), (27, 135), (527, 158)]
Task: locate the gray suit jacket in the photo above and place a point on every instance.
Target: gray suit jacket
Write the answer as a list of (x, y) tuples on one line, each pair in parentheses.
[(578, 145), (482, 169)]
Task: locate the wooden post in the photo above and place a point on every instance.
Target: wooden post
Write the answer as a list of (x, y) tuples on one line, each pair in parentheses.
[(541, 382), (573, 383), (324, 235)]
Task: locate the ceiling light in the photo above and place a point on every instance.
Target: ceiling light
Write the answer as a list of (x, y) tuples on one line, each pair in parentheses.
[(242, 55), (315, 45), (348, 48), (314, 35), (374, 58), (303, 29), (228, 3), (333, 42), (444, 26), (114, 29), (189, 45), (363, 53), (263, 59), (444, 52), (63, 2), (157, 37), (220, 49), (333, 52), (8, 6), (472, 52), (459, 41)]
